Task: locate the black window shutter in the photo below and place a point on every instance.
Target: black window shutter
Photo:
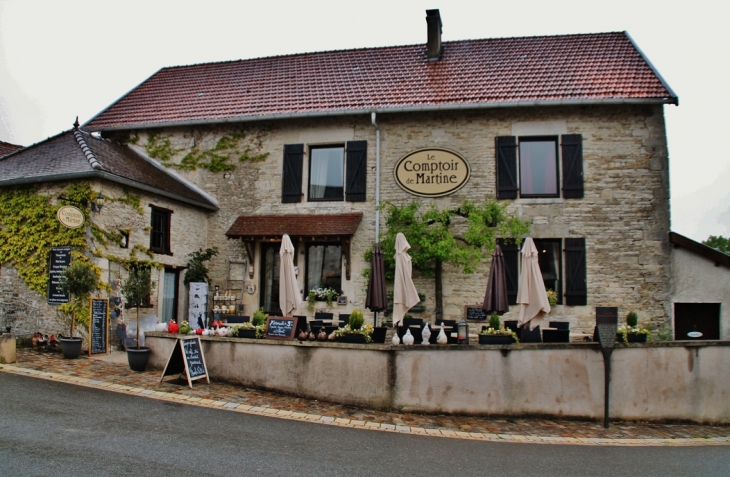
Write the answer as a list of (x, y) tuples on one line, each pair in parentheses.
[(511, 252), (572, 145), (576, 290), (357, 171), (506, 167), (291, 182)]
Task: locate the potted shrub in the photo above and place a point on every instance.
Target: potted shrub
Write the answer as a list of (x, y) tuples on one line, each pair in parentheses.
[(355, 331), (256, 328), (321, 294), (79, 279), (630, 332), (136, 290), (496, 334)]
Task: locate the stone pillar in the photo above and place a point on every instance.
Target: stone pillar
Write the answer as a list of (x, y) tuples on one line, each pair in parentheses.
[(7, 348)]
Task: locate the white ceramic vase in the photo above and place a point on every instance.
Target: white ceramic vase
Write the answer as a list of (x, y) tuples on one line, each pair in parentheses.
[(426, 333), (408, 338), (442, 338)]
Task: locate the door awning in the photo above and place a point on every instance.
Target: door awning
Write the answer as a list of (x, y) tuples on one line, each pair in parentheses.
[(300, 227), (259, 227)]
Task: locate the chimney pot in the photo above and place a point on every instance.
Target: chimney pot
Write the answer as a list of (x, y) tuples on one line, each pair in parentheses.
[(433, 23)]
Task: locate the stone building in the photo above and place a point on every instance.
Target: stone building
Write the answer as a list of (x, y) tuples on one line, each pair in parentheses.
[(567, 131)]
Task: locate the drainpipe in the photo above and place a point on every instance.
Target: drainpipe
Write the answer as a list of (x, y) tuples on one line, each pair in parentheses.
[(377, 177)]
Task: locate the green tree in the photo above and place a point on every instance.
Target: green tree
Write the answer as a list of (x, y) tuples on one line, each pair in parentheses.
[(719, 243), (137, 289), (197, 271), (462, 236), (79, 279)]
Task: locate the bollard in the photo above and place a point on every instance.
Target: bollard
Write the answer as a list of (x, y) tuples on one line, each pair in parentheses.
[(7, 348)]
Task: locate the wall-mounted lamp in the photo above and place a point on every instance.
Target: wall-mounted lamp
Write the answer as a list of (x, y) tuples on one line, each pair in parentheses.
[(96, 204)]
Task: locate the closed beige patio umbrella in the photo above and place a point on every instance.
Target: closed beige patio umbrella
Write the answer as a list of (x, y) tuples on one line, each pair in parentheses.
[(405, 295), (289, 296), (531, 295)]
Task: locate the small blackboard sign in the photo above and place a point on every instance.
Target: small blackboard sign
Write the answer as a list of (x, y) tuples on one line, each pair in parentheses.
[(475, 312), (187, 356), (59, 259), (281, 327), (98, 326)]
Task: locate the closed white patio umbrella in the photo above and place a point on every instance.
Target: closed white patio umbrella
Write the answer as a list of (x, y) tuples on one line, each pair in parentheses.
[(289, 296), (405, 295), (531, 295)]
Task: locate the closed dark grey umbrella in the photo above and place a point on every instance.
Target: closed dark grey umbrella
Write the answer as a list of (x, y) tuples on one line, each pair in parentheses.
[(377, 299), (496, 297)]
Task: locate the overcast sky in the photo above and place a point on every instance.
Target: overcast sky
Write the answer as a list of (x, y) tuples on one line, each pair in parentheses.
[(62, 59)]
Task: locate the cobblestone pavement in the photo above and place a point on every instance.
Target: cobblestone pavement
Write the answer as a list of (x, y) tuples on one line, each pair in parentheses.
[(112, 373)]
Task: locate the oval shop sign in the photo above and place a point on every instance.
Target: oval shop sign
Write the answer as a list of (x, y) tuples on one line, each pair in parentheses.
[(433, 172), (70, 216)]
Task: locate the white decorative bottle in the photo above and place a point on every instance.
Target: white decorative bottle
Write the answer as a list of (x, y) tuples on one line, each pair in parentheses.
[(442, 338), (408, 338), (426, 333)]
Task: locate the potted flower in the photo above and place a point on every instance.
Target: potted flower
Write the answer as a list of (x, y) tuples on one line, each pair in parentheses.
[(496, 333), (137, 290), (321, 294), (552, 297), (79, 279), (355, 331), (630, 332)]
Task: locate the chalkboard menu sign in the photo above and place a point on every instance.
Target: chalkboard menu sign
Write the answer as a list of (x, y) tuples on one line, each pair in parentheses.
[(281, 327), (187, 357), (98, 326), (475, 312), (60, 259)]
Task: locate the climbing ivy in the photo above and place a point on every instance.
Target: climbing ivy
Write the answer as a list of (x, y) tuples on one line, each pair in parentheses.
[(160, 147)]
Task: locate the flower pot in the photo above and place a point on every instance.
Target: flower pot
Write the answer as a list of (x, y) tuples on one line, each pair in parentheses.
[(496, 339), (137, 358), (251, 334), (351, 338), (379, 334), (631, 338), (71, 347)]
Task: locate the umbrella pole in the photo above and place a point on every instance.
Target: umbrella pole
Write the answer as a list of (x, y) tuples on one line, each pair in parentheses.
[(375, 319)]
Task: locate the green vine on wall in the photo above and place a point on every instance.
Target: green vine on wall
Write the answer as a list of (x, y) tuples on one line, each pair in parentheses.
[(28, 230), (215, 159)]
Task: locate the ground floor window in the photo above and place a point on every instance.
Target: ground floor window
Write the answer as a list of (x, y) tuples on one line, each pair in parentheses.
[(324, 266), (562, 264), (269, 285), (696, 321)]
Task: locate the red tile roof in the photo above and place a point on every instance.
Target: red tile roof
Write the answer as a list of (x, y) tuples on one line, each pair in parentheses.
[(257, 226), (7, 148), (587, 68)]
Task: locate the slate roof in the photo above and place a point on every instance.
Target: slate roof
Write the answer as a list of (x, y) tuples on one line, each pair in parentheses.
[(256, 226), (700, 249), (501, 72), (76, 154), (6, 148)]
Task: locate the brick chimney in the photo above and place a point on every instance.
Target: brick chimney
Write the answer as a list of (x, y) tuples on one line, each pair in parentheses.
[(433, 46)]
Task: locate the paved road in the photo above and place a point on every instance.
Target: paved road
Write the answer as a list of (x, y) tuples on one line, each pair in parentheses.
[(49, 428)]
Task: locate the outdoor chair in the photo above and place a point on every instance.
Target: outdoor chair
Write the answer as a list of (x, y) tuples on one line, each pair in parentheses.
[(321, 315), (344, 319)]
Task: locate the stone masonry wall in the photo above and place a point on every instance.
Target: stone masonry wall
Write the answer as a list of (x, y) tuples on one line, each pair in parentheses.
[(624, 215)]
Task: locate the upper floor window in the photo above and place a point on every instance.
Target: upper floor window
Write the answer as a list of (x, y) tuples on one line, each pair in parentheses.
[(335, 172), (160, 230), (326, 173), (540, 162)]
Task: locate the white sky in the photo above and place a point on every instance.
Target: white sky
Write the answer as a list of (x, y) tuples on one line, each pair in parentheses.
[(62, 59)]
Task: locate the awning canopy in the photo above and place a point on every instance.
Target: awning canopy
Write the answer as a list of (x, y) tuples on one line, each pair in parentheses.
[(259, 227), (300, 228)]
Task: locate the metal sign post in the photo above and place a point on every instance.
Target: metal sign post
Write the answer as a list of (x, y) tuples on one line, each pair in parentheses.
[(606, 327)]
